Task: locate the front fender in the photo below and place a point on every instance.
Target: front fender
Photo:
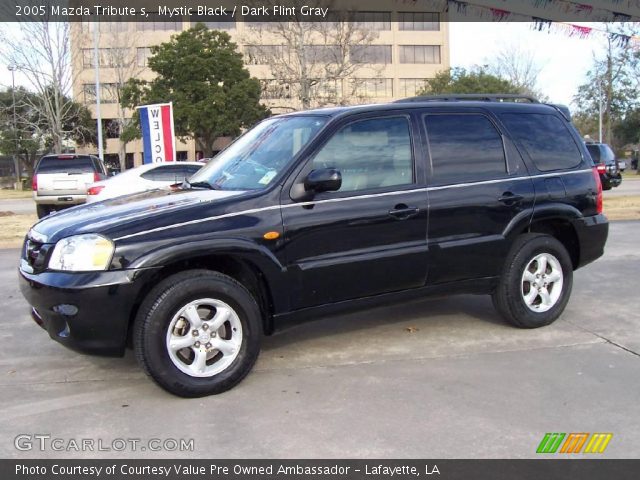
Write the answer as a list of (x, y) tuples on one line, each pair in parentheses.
[(259, 256)]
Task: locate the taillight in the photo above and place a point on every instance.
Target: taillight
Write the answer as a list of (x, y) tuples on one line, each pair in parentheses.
[(596, 176), (34, 182), (601, 168), (95, 190), (96, 177)]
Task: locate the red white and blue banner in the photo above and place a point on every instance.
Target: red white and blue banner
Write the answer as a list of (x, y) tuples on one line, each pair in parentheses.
[(158, 134)]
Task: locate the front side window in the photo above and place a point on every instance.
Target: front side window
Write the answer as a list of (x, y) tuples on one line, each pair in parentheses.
[(545, 138), (464, 147), (256, 158), (374, 153)]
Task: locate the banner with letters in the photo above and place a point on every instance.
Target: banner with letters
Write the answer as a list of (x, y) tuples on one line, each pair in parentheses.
[(158, 134)]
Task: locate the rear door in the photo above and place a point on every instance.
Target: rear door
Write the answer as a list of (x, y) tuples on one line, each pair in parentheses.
[(65, 175), (478, 185), (370, 236)]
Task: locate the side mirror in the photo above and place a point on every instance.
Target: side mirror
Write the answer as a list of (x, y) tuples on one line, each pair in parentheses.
[(323, 180)]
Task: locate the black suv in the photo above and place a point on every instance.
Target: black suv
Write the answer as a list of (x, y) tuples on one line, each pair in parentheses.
[(311, 212), (606, 163)]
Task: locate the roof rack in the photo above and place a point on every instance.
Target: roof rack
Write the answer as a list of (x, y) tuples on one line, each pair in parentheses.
[(489, 97)]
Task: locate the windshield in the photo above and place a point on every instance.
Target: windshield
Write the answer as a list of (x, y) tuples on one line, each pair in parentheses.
[(256, 158)]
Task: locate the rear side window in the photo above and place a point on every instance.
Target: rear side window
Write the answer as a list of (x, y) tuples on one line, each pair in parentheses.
[(546, 139), (464, 147), (168, 173), (66, 165), (601, 153)]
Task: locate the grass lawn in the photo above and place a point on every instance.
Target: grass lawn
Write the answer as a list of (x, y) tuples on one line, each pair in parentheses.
[(6, 194), (14, 227), (622, 208), (630, 175)]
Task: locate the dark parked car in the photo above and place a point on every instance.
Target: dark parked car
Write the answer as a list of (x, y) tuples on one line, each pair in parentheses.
[(606, 163), (60, 181), (313, 212)]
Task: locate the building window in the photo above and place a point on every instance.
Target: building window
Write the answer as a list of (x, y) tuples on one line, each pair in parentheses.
[(111, 128), (263, 54), (410, 87), (156, 23), (143, 55), (372, 20), (323, 53), (373, 87), (108, 93), (108, 57), (419, 53), (374, 54), (327, 89), (273, 89), (105, 27), (419, 21), (128, 161), (182, 156)]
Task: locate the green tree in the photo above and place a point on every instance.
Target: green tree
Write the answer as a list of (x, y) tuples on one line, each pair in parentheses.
[(461, 81), (612, 82), (202, 73), (627, 130)]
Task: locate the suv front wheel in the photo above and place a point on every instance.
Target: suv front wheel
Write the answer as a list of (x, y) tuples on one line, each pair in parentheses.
[(197, 333), (536, 281)]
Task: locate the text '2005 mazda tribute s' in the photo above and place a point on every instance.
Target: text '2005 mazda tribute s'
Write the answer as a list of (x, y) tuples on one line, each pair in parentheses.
[(315, 210)]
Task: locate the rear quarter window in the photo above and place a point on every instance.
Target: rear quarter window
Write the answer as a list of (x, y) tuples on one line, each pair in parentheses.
[(68, 165), (546, 139)]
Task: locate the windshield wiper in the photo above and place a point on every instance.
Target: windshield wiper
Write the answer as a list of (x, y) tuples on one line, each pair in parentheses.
[(189, 185)]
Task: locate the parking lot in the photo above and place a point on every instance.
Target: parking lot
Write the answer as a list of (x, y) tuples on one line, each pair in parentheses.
[(438, 378)]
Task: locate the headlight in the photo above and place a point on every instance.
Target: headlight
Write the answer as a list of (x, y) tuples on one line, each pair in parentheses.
[(82, 253)]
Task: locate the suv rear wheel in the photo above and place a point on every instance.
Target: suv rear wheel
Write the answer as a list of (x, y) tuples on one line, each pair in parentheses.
[(197, 333), (536, 281), (43, 210)]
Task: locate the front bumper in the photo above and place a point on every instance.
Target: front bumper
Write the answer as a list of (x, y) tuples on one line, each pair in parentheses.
[(88, 312), (592, 235)]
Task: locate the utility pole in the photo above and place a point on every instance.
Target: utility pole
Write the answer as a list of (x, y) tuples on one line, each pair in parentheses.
[(16, 161), (96, 60), (599, 110)]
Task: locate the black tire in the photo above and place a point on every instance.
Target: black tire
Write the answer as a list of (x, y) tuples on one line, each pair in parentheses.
[(508, 296), (164, 302), (43, 210)]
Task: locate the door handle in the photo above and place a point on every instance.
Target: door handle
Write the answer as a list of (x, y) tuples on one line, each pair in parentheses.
[(509, 198), (402, 212)]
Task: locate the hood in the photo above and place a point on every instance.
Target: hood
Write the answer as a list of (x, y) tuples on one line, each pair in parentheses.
[(129, 213)]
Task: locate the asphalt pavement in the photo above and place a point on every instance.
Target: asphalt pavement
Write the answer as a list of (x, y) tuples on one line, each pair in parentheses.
[(437, 378)]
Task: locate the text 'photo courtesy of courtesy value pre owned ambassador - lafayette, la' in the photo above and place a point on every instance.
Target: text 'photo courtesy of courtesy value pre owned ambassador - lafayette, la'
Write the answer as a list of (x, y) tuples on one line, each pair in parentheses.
[(313, 212)]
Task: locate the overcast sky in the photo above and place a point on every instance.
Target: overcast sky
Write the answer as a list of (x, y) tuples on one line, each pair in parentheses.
[(565, 60)]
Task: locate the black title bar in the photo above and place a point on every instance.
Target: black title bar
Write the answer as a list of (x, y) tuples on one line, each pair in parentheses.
[(316, 10), (547, 469)]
